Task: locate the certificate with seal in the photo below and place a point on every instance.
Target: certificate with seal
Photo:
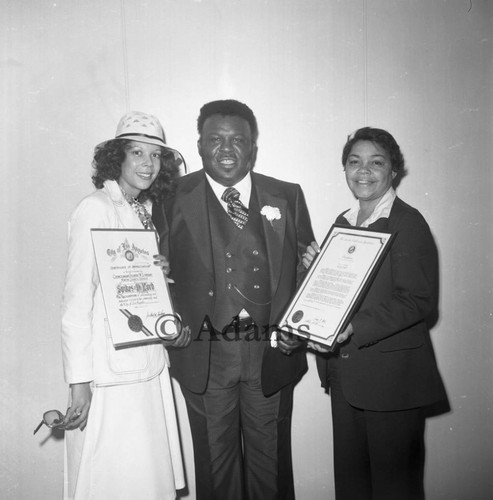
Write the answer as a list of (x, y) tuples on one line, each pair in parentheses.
[(135, 292), (336, 283)]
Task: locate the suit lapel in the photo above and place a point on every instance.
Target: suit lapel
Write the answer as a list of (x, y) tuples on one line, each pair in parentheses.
[(193, 206), (387, 224), (274, 230)]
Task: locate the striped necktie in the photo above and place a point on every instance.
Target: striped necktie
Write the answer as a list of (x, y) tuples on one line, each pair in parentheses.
[(236, 210)]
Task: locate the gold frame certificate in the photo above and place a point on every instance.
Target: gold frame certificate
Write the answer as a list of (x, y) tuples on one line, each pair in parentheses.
[(336, 283), (135, 292)]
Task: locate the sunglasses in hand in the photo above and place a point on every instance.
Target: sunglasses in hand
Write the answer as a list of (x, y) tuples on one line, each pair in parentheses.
[(52, 419)]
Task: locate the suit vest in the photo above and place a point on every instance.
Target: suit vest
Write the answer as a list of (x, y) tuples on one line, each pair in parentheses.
[(241, 267)]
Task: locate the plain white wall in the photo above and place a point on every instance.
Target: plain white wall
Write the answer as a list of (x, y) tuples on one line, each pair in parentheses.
[(312, 71)]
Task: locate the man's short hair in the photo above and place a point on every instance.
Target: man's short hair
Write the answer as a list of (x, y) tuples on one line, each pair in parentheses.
[(228, 107)]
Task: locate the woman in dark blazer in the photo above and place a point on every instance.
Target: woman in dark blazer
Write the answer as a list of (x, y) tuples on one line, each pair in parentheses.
[(384, 375)]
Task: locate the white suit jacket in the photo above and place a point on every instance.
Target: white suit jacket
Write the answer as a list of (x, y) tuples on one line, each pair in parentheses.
[(88, 352)]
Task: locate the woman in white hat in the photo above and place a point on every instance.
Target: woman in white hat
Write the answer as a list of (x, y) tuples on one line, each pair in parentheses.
[(123, 441)]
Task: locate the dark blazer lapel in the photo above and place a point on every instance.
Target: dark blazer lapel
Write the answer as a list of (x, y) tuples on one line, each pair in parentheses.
[(274, 230), (384, 224), (396, 213), (193, 206)]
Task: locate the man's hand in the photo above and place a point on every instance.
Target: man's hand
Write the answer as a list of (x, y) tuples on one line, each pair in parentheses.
[(183, 340), (288, 343)]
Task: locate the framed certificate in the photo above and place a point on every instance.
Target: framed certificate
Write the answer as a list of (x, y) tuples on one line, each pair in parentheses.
[(336, 283), (135, 292)]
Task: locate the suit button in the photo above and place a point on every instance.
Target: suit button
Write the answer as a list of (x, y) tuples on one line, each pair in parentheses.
[(229, 286), (345, 355), (228, 270), (255, 269), (255, 252), (256, 287), (211, 293), (228, 255)]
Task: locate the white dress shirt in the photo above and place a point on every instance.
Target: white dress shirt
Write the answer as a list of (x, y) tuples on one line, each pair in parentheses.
[(244, 187), (382, 210)]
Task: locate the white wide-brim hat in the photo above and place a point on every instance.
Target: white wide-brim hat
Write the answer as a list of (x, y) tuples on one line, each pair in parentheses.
[(142, 127)]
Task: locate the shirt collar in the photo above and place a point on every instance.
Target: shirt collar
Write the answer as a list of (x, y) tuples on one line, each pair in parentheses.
[(382, 210), (244, 187), (115, 193)]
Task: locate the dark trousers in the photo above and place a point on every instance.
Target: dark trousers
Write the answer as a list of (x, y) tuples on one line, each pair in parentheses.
[(241, 439), (378, 455)]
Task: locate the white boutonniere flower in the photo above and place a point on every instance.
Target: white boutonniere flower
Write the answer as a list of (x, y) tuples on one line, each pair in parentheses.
[(271, 214)]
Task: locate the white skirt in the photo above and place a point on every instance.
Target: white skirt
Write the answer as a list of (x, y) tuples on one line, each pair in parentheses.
[(130, 448)]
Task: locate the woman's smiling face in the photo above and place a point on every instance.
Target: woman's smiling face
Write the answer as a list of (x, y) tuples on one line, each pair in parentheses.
[(369, 173), (140, 167)]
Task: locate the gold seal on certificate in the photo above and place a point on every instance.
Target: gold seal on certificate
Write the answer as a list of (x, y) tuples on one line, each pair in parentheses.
[(335, 283), (135, 292)]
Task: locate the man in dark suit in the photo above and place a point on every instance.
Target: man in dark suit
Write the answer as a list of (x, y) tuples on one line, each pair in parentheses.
[(235, 257)]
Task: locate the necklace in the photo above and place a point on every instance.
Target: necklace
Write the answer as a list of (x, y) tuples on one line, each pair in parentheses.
[(139, 209)]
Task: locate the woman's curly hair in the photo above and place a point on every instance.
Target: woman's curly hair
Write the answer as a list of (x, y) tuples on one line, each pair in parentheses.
[(107, 164)]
